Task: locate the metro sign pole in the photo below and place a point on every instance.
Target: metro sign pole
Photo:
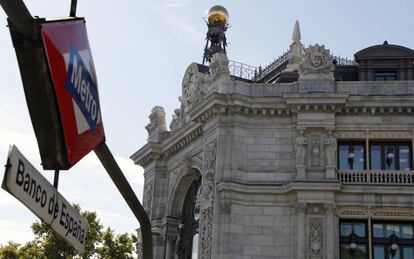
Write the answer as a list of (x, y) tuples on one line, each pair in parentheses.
[(61, 91)]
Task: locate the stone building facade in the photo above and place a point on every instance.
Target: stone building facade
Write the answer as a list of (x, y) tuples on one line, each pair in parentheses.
[(310, 159)]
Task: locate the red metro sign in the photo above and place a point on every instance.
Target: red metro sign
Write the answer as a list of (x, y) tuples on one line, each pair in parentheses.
[(61, 89), (74, 80)]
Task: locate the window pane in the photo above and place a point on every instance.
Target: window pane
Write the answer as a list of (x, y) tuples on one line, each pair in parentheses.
[(361, 252), (346, 229), (389, 155), (379, 252), (359, 157), (407, 231), (194, 253), (378, 230), (392, 229), (343, 156), (405, 157), (359, 229), (375, 157), (345, 252), (408, 252)]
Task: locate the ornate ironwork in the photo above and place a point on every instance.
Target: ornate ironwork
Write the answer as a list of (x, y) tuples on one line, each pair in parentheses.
[(241, 70), (340, 61), (217, 38), (275, 63)]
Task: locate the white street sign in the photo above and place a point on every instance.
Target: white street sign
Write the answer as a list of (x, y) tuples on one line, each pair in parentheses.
[(25, 183)]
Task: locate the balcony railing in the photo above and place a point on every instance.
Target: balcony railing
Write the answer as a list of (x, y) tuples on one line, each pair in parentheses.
[(386, 177)]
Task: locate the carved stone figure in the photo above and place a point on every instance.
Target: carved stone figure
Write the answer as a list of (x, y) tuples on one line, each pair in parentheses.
[(210, 155), (157, 120), (316, 60), (315, 239), (300, 148), (330, 149), (178, 119)]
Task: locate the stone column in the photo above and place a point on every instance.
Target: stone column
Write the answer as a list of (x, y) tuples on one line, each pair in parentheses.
[(330, 155), (330, 231), (207, 200), (301, 231)]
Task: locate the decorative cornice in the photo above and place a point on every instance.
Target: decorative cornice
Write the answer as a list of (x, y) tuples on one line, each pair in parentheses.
[(162, 151)]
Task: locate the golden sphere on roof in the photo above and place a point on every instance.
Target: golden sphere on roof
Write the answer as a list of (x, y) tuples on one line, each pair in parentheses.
[(217, 15)]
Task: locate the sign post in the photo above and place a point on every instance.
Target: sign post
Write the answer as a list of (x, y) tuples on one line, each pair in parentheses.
[(25, 183)]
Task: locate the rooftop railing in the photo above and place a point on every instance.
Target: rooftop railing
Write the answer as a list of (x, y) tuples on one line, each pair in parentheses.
[(241, 70), (377, 177)]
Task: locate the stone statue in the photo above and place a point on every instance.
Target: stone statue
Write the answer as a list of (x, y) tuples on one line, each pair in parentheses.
[(300, 148), (330, 149), (178, 119), (157, 120)]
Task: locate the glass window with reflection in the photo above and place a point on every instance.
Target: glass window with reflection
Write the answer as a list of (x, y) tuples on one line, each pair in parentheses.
[(390, 156), (351, 155), (389, 240)]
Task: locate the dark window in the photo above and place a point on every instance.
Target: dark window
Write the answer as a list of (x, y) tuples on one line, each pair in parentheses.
[(390, 156), (354, 240), (386, 155), (390, 240), (385, 76), (351, 155)]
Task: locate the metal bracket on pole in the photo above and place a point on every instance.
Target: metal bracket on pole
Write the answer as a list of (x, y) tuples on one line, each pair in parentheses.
[(19, 16), (110, 165), (73, 5), (56, 179)]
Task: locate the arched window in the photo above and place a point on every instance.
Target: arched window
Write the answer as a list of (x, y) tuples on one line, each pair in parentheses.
[(187, 247)]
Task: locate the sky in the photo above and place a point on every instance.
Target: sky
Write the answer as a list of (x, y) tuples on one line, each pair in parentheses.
[(141, 49)]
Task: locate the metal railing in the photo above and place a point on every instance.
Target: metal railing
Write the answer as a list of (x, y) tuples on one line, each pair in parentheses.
[(241, 70), (340, 61), (385, 177), (275, 63)]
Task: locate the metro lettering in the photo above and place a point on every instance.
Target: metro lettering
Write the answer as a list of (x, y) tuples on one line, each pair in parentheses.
[(82, 88)]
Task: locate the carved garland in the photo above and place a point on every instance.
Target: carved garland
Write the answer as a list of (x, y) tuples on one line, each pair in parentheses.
[(207, 198), (315, 238)]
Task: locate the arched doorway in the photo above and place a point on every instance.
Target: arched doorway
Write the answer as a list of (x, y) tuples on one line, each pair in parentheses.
[(187, 246)]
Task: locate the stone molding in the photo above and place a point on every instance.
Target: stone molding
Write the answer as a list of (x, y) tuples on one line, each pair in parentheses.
[(375, 134), (171, 146), (380, 213)]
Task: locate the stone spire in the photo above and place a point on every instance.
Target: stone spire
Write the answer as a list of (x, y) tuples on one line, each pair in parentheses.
[(295, 53), (296, 32)]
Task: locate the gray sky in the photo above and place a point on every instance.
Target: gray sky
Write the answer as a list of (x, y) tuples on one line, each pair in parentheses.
[(141, 50)]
